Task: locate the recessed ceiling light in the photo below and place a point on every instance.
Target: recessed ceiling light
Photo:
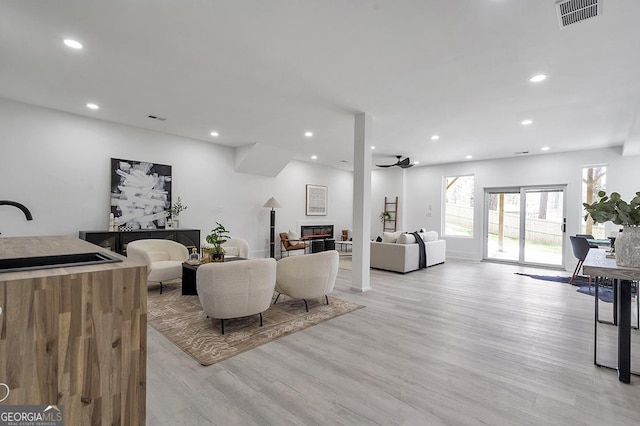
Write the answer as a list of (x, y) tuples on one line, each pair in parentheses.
[(435, 137), (92, 106), (73, 44), (538, 78), (469, 157), (545, 148), (308, 134), (215, 134), (526, 122), (314, 157), (373, 147)]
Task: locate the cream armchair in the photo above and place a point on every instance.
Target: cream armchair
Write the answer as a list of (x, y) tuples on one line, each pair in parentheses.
[(163, 258), (235, 246), (236, 289), (307, 277)]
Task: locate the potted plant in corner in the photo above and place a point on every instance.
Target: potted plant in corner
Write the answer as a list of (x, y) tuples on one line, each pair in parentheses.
[(614, 209), (175, 211), (216, 238)]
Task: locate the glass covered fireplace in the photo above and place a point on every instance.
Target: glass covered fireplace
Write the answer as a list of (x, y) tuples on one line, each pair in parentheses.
[(316, 232)]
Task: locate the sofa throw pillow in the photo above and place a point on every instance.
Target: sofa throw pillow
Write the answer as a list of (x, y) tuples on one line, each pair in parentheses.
[(390, 237), (293, 236), (430, 236), (406, 239)]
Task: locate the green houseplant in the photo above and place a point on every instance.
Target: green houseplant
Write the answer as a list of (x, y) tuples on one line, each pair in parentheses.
[(216, 238), (174, 213), (385, 216), (177, 208), (614, 209)]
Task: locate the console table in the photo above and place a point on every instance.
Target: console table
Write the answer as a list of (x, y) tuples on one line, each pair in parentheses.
[(117, 240), (596, 264)]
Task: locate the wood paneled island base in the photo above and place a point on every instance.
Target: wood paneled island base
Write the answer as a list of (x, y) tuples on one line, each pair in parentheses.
[(75, 337)]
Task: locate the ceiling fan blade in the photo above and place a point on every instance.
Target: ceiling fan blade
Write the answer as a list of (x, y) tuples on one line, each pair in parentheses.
[(405, 166), (385, 165), (404, 162)]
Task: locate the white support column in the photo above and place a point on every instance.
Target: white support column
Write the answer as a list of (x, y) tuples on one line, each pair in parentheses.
[(360, 275)]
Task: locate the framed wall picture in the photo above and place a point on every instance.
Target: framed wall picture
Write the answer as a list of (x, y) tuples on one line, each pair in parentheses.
[(316, 200), (140, 193)]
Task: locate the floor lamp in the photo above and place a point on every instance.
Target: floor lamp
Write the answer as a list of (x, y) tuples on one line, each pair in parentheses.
[(273, 204)]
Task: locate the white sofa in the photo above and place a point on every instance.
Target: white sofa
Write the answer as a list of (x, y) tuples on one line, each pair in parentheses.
[(399, 252)]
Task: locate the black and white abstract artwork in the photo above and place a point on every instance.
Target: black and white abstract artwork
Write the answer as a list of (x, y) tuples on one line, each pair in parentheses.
[(140, 193)]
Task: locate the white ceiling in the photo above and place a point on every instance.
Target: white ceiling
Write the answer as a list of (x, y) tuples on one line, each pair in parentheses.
[(267, 71)]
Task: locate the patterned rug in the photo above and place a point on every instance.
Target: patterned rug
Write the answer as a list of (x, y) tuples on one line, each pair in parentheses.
[(181, 320)]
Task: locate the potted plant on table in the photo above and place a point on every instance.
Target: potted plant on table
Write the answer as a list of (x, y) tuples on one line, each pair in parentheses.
[(215, 239), (614, 209), (175, 211)]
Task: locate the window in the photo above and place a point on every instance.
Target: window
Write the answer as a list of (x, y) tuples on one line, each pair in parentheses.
[(458, 206), (594, 179)]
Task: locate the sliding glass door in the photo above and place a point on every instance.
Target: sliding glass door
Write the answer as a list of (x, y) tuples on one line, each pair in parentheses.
[(525, 225)]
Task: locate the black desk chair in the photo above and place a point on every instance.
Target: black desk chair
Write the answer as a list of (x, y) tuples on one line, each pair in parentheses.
[(589, 237), (580, 247)]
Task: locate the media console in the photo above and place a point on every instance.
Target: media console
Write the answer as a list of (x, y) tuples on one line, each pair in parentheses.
[(117, 241)]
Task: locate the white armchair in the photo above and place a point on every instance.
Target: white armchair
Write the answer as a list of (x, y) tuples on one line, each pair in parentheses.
[(235, 246), (163, 258), (236, 289), (307, 277)]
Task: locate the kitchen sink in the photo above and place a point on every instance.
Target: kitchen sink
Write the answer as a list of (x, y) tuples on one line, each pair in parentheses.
[(56, 261)]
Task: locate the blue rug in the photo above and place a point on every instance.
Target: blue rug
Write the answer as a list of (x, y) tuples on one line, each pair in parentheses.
[(579, 281), (604, 293)]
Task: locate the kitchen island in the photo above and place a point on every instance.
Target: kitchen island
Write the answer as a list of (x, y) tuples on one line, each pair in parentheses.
[(74, 336)]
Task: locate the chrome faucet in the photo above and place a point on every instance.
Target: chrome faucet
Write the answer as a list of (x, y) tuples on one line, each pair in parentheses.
[(25, 210)]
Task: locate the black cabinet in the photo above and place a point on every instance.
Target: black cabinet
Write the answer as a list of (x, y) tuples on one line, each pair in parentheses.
[(117, 241)]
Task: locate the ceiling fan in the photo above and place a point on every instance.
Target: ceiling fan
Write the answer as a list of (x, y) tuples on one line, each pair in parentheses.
[(405, 164)]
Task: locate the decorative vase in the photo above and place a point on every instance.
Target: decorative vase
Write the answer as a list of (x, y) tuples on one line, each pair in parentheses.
[(217, 257), (628, 247), (176, 223)]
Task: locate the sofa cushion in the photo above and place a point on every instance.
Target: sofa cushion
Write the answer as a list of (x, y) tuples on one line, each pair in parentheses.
[(430, 236), (390, 237), (406, 239)]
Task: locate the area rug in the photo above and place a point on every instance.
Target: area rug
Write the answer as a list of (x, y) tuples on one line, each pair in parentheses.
[(181, 320), (604, 293)]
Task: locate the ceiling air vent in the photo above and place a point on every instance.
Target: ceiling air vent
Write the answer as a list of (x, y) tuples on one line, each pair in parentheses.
[(574, 11), (155, 117)]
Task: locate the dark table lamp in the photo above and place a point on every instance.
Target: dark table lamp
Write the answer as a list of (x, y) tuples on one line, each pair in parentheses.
[(273, 204)]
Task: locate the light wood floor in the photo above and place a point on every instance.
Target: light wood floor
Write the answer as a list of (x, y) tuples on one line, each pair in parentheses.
[(464, 343)]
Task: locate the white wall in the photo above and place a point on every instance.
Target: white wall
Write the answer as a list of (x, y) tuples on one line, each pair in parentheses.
[(423, 186), (58, 165), (386, 183)]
